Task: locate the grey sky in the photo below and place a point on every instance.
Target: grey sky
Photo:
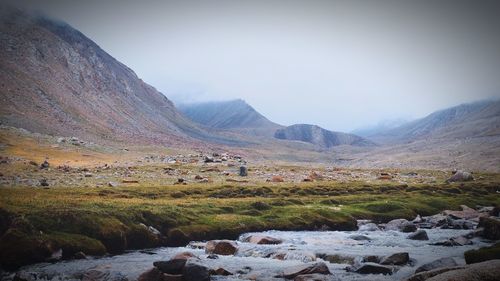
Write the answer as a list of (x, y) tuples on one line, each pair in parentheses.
[(338, 64)]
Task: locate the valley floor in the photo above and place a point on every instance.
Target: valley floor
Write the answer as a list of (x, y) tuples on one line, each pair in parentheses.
[(95, 201)]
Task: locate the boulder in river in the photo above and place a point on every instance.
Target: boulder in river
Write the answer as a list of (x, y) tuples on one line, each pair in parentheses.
[(484, 271), (359, 237), (439, 263), (419, 235), (369, 227), (262, 239), (396, 259), (173, 266), (483, 254), (491, 228), (371, 268), (294, 271), (153, 274), (221, 247), (196, 272), (466, 213), (401, 225), (311, 277)]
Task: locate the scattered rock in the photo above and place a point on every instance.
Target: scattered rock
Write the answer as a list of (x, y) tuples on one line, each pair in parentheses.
[(44, 182), (294, 271), (185, 256), (260, 239), (371, 268), (173, 266), (311, 277), (44, 165), (209, 159), (425, 275), (358, 237), (491, 228), (466, 213), (221, 247), (33, 163), (440, 263), (396, 259), (460, 176), (483, 254), (484, 271), (243, 171), (196, 272), (212, 256), (419, 235), (261, 206), (277, 179), (198, 177), (400, 225), (79, 256), (152, 274), (220, 271), (455, 241), (369, 227), (112, 184)]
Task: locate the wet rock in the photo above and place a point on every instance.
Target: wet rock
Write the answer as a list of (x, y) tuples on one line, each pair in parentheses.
[(418, 219), (483, 254), (400, 225), (336, 258), (311, 277), (243, 171), (221, 247), (460, 176), (436, 220), (294, 271), (396, 259), (419, 235), (152, 274), (99, 274), (358, 237), (484, 271), (196, 272), (172, 277), (220, 271), (425, 275), (185, 256), (372, 258), (466, 213), (440, 263), (212, 257), (260, 239), (173, 266), (369, 227), (79, 256), (371, 268), (455, 241), (491, 228)]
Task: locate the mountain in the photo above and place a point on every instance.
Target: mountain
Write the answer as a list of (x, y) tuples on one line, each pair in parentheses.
[(319, 136), (55, 80), (478, 119), (230, 115), (381, 126)]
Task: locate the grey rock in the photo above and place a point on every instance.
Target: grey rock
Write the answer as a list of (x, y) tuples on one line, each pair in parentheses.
[(419, 235), (396, 259), (443, 262)]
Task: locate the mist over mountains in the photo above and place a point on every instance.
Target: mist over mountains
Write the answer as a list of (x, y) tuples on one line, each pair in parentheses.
[(57, 81)]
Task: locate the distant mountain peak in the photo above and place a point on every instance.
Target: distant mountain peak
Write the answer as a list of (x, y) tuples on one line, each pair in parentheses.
[(234, 114), (318, 136)]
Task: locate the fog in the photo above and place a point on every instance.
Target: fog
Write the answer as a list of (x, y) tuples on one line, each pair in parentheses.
[(338, 64)]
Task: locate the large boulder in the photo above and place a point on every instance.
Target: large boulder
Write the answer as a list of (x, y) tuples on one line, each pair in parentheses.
[(483, 271), (424, 275), (174, 266), (401, 225), (396, 259), (262, 239), (371, 268), (153, 274), (311, 277), (439, 263), (460, 176), (196, 272), (491, 228), (419, 235), (466, 213), (483, 254), (221, 247), (294, 271)]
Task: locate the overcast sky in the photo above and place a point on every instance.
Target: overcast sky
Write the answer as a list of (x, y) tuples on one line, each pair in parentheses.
[(338, 64)]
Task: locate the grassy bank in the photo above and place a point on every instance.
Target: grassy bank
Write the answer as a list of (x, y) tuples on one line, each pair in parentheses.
[(35, 221)]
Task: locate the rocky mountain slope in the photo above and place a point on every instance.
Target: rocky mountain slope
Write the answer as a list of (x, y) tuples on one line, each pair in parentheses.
[(319, 136), (55, 80), (234, 115), (479, 119)]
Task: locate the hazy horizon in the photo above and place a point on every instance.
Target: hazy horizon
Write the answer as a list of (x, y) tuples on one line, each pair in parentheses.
[(342, 65)]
